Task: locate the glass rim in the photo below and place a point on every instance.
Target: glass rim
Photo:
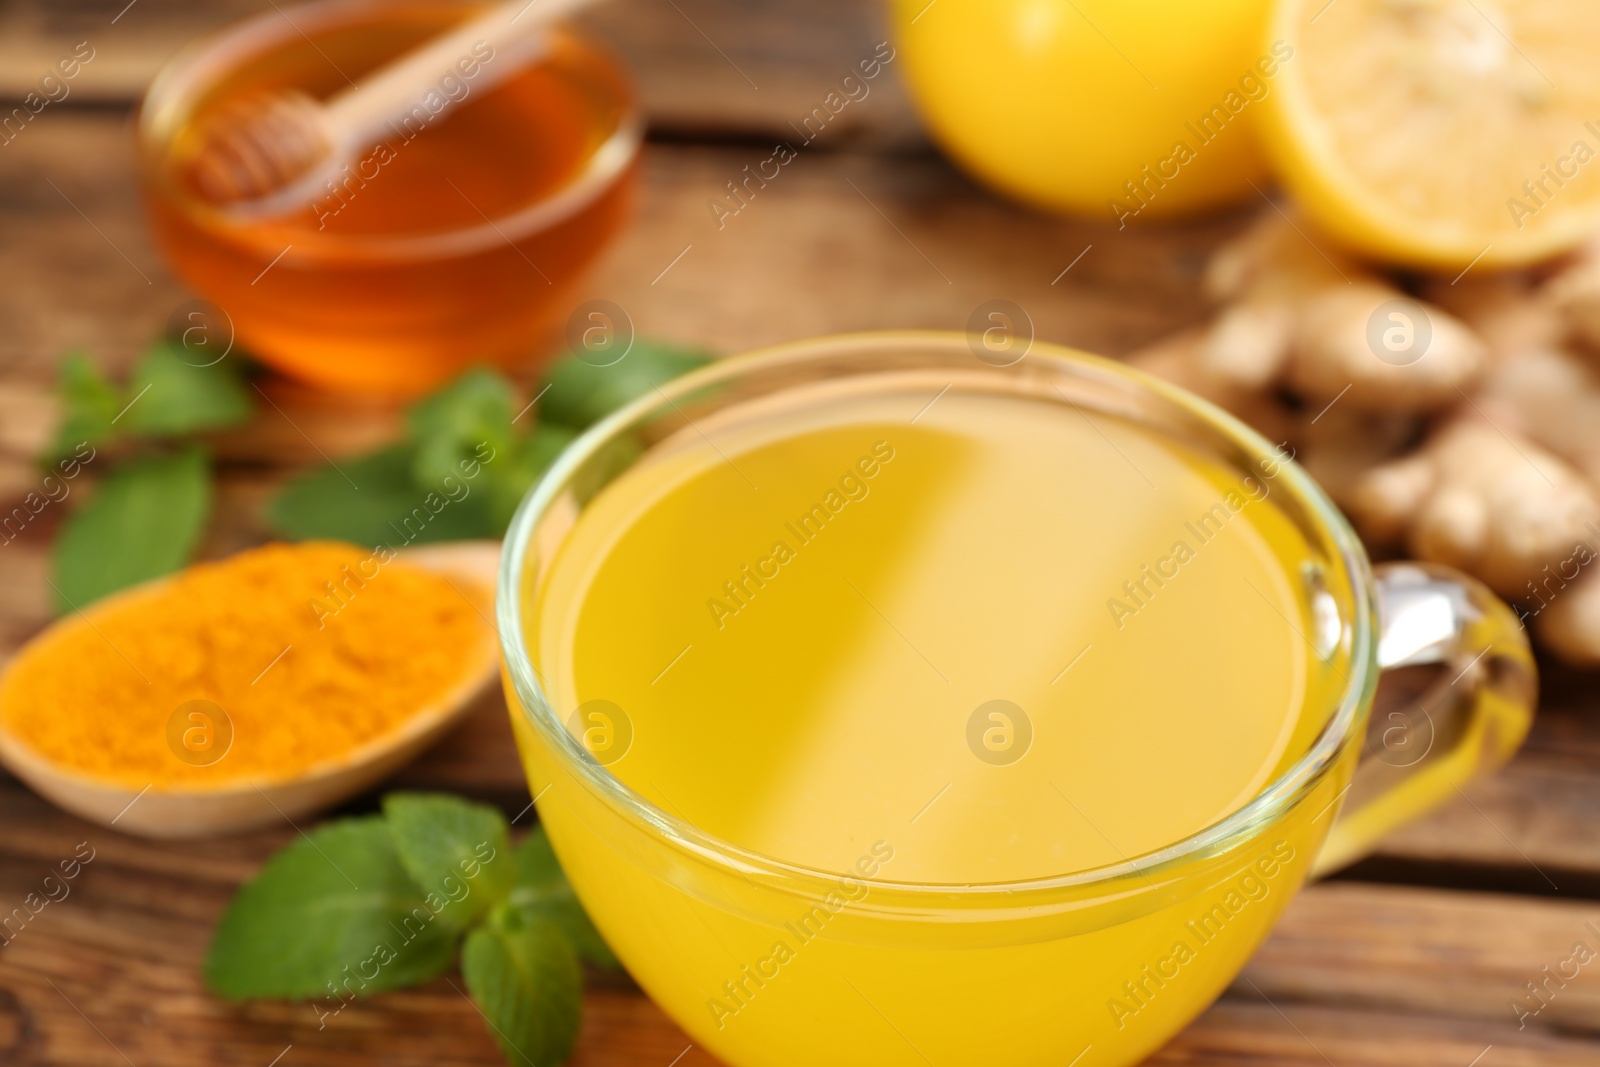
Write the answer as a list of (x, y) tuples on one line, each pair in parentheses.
[(201, 61), (1272, 801)]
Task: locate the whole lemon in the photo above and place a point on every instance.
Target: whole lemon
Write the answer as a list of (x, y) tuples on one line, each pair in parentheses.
[(1122, 108)]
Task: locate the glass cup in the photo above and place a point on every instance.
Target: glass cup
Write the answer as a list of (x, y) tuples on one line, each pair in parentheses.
[(767, 963)]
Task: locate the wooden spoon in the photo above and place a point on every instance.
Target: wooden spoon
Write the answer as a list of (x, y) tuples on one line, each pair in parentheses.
[(196, 810), (269, 151)]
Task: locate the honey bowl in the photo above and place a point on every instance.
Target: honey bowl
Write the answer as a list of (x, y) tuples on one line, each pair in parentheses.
[(460, 240)]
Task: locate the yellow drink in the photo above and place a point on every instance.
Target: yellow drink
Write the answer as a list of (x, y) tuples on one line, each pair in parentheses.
[(1140, 609), (994, 639)]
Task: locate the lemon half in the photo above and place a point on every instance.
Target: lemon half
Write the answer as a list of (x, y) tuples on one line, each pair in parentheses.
[(1441, 133)]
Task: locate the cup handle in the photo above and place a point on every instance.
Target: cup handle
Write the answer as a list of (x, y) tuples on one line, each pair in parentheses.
[(1470, 720)]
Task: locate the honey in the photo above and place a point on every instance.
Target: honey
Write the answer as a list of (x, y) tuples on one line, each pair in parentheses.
[(461, 239)]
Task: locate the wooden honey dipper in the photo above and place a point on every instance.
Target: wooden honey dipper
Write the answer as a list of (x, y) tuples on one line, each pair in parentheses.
[(266, 151)]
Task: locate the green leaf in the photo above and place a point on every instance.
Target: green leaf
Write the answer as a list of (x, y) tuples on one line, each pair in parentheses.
[(88, 404), (526, 981), (580, 394), (169, 396), (543, 892), (372, 500), (605, 465), (450, 426), (457, 851), (333, 913), (530, 458), (143, 521)]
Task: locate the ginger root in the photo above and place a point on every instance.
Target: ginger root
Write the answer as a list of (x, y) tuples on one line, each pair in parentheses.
[(1576, 293), (1552, 398), (1474, 498), (1177, 359), (1568, 623), (1484, 453), (1328, 329)]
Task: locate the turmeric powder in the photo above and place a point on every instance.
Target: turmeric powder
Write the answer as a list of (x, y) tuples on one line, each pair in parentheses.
[(311, 650)]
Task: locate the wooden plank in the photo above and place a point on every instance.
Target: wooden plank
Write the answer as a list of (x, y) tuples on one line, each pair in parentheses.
[(1360, 974), (1535, 818), (718, 67), (1432, 952), (1238, 1032), (86, 275), (77, 258), (908, 244), (478, 758)]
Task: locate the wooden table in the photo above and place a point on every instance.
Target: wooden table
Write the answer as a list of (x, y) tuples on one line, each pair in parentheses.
[(1414, 957)]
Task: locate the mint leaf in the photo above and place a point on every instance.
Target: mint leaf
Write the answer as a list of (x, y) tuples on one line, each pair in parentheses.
[(543, 892), (451, 425), (460, 476), (88, 404), (604, 465), (332, 914), (457, 851), (388, 508), (580, 394), (525, 979), (533, 455), (143, 521), (168, 396)]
